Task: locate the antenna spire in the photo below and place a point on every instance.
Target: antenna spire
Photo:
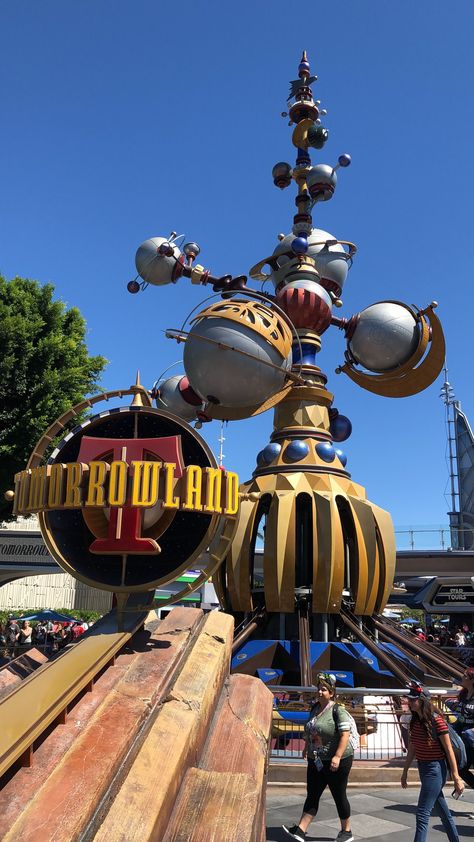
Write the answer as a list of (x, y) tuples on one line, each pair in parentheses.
[(141, 396), (449, 400)]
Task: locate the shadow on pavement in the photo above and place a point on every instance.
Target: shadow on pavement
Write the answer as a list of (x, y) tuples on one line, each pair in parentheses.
[(401, 808), (276, 834)]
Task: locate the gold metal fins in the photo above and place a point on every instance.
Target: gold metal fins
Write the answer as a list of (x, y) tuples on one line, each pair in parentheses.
[(410, 378), (350, 546), (363, 571), (388, 552), (238, 561), (329, 582), (279, 552), (219, 582)]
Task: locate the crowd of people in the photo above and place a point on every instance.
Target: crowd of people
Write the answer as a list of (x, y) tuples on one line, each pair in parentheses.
[(17, 636), (440, 635), (329, 750)]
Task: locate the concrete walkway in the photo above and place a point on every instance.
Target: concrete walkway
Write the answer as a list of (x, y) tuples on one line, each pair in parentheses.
[(384, 815)]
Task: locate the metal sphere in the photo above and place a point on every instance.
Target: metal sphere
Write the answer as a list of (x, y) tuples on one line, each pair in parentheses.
[(344, 160), (325, 451), (300, 245), (340, 428), (341, 456), (321, 181), (331, 261), (317, 136), (261, 462), (191, 249), (153, 267), (385, 337), (170, 398), (271, 452), (225, 357), (307, 304), (296, 450), (281, 174)]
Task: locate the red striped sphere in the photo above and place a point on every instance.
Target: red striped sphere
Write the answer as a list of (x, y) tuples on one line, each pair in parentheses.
[(307, 304)]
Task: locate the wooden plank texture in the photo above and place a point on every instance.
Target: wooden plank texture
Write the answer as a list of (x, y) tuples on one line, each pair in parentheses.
[(215, 807), (243, 725), (68, 798), (235, 759), (142, 806)]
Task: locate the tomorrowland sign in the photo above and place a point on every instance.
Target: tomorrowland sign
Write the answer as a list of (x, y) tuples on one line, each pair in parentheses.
[(119, 482)]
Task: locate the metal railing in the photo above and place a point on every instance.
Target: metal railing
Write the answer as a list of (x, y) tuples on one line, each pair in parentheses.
[(442, 537), (381, 717)]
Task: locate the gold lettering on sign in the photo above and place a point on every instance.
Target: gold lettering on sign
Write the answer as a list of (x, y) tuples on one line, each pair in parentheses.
[(142, 484), (118, 483), (95, 488), (213, 490), (145, 478), (193, 488), (169, 502)]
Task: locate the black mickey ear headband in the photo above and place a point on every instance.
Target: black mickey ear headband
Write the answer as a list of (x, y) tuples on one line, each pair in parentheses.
[(416, 691)]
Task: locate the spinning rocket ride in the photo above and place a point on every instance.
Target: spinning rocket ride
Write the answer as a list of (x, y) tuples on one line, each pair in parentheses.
[(323, 540)]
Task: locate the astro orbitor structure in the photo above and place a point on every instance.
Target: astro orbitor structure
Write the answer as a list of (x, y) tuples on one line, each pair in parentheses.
[(325, 545)]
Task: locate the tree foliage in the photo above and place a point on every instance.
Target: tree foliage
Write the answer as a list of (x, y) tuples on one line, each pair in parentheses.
[(44, 369)]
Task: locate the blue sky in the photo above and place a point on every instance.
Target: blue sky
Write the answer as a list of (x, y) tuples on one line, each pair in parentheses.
[(126, 120)]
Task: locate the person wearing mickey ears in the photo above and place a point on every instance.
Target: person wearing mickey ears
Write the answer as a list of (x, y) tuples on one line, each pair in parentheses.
[(330, 755), (431, 745)]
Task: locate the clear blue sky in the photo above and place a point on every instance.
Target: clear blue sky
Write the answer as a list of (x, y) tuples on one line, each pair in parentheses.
[(126, 120)]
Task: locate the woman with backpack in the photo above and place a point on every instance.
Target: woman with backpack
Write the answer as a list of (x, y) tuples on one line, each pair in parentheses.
[(430, 743), (329, 753)]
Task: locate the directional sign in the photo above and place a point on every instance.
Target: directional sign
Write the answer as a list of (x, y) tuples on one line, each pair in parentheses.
[(454, 594)]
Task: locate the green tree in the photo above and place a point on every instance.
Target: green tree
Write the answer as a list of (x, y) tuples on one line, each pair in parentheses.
[(44, 369)]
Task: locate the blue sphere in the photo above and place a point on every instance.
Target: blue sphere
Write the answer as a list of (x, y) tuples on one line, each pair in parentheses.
[(133, 287), (341, 456), (340, 428), (260, 460), (296, 450), (271, 452), (344, 160), (325, 451), (300, 244)]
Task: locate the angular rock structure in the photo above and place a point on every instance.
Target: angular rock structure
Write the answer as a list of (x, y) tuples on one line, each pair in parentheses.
[(166, 746)]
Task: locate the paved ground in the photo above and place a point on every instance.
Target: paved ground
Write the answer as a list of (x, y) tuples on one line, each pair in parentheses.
[(386, 815)]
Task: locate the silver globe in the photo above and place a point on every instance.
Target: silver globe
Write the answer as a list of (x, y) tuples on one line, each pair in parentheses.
[(223, 375), (170, 398), (321, 181), (385, 337), (153, 267), (331, 261)]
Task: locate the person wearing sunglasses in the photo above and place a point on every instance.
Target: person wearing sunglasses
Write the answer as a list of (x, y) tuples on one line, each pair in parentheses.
[(430, 743), (330, 755)]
